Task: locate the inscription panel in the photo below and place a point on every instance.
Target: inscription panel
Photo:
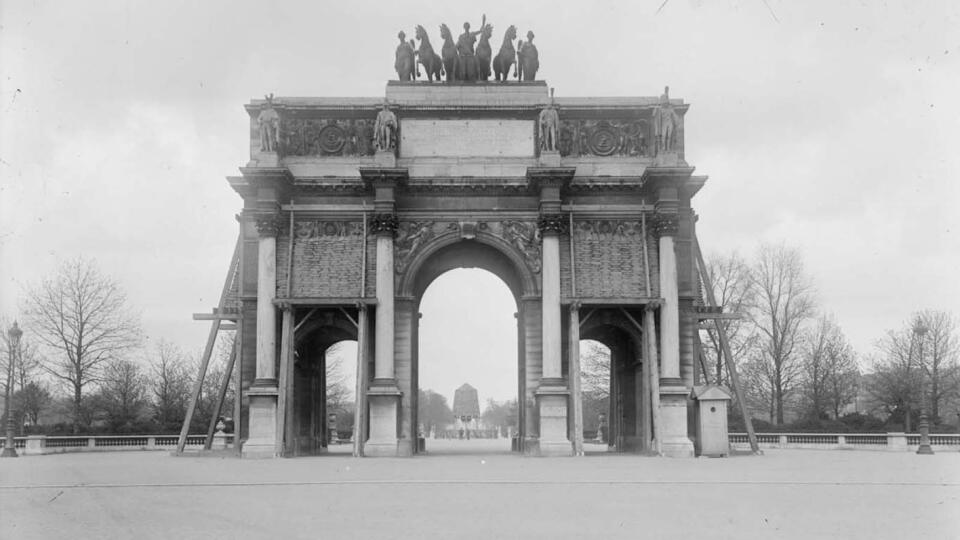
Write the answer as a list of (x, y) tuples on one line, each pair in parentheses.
[(466, 138)]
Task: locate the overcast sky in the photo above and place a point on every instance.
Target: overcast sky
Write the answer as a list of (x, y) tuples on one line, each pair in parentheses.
[(831, 126)]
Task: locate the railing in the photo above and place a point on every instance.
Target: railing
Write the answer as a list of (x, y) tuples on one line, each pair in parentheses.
[(41, 444), (896, 442)]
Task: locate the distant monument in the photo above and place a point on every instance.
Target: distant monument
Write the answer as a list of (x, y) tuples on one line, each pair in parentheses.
[(466, 408)]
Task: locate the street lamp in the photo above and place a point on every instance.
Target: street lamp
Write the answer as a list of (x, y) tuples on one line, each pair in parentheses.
[(14, 334), (920, 330)]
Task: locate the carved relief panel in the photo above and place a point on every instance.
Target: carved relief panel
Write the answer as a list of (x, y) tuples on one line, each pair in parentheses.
[(327, 137), (606, 138)]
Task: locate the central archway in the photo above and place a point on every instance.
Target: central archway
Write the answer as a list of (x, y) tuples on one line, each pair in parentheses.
[(487, 252)]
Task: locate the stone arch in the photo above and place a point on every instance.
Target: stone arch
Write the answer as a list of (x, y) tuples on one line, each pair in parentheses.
[(323, 329), (484, 250), (627, 417)]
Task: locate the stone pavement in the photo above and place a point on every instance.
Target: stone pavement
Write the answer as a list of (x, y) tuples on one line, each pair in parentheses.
[(783, 494)]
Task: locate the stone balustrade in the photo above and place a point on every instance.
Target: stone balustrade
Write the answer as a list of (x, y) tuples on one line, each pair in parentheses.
[(42, 444), (894, 442)]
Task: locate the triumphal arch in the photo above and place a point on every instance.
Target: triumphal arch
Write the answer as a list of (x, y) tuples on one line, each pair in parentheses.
[(353, 206)]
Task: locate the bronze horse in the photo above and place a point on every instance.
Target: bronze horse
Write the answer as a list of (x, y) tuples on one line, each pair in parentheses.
[(428, 58), (484, 53), (448, 52), (506, 56)]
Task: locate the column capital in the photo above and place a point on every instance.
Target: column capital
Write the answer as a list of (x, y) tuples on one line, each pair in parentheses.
[(552, 224), (385, 223), (268, 225), (666, 224)]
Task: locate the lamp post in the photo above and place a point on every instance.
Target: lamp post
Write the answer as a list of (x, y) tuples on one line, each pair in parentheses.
[(14, 334), (924, 448)]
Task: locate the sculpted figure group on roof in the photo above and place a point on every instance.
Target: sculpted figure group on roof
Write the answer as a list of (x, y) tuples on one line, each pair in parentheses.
[(470, 58)]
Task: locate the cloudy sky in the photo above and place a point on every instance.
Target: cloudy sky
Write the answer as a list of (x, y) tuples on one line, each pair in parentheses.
[(831, 126)]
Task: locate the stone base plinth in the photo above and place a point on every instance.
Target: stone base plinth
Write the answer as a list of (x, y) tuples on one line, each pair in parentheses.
[(262, 442), (552, 404), (385, 158), (673, 420), (549, 159), (265, 159), (384, 400)]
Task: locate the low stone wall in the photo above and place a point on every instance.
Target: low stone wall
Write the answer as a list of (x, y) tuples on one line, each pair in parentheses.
[(42, 444), (894, 442)]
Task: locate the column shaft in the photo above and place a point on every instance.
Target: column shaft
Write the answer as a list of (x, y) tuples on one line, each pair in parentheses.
[(669, 311), (383, 360), (551, 307), (266, 311)]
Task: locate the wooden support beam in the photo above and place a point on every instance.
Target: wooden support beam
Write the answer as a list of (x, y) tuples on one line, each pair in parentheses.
[(208, 349), (654, 373), (360, 408), (584, 320), (286, 363), (304, 320), (725, 346), (575, 387), (221, 395)]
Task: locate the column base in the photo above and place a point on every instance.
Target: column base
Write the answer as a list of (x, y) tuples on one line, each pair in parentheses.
[(552, 405), (262, 442), (383, 400), (673, 419)]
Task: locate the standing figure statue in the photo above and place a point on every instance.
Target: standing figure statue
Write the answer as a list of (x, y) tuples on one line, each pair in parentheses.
[(666, 123), (506, 56), (404, 63), (549, 124), (467, 67), (385, 129), (268, 123), (528, 59)]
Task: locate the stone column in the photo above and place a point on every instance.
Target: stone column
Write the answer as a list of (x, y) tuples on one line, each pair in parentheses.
[(264, 390), (673, 393), (383, 394), (553, 391)]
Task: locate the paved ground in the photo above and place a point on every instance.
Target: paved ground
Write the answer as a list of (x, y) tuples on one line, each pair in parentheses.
[(454, 494)]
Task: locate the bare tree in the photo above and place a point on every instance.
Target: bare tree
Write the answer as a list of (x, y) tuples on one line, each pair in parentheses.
[(729, 277), (785, 301), (830, 373), (169, 386), (123, 394), (938, 351), (917, 361), (339, 393), (81, 315)]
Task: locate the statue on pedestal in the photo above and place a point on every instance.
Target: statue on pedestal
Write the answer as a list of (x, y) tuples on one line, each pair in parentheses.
[(549, 124), (268, 123), (666, 123), (385, 129)]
